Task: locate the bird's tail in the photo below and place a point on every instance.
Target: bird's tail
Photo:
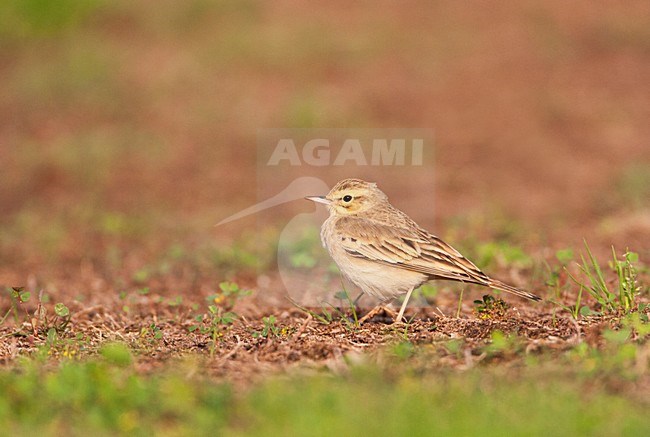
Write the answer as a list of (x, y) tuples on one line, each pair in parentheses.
[(494, 283)]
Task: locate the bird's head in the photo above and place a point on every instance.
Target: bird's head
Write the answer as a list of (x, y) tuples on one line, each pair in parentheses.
[(351, 196)]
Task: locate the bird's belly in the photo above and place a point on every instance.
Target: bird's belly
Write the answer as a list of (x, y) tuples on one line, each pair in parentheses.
[(381, 281)]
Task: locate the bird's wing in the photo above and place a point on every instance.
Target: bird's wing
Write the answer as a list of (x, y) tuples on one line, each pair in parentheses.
[(410, 249)]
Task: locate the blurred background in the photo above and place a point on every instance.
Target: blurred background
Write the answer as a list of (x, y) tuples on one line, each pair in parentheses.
[(128, 129)]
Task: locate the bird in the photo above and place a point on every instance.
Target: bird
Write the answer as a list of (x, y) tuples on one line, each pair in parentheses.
[(384, 252)]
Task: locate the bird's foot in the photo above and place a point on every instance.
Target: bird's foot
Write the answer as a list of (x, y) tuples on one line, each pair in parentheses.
[(378, 310)]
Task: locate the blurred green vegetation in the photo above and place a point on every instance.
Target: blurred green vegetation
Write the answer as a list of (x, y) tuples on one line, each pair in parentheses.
[(41, 18), (491, 240), (107, 395), (633, 185)]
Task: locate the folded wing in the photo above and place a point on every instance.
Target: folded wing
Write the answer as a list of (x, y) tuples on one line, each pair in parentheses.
[(410, 249)]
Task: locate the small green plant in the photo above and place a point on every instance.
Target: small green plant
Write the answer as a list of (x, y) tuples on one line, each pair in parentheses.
[(220, 315), (39, 321), (151, 333), (228, 295), (490, 308), (623, 298), (626, 274), (346, 300), (214, 323), (54, 327), (62, 320), (270, 329), (18, 297)]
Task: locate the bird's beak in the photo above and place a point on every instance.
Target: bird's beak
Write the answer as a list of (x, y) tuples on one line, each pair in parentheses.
[(319, 199)]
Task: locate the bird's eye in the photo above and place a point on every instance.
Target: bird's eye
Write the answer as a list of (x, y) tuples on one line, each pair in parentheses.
[(347, 198)]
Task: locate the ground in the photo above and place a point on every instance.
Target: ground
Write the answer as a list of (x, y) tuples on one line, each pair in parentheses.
[(125, 135)]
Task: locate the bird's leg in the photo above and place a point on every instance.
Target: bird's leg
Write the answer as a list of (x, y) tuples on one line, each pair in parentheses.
[(403, 308)]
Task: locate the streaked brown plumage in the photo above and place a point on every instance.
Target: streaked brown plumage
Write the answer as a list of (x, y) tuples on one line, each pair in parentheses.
[(381, 250)]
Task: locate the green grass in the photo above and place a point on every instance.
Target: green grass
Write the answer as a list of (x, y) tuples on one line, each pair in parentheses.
[(467, 404), (107, 395), (623, 296)]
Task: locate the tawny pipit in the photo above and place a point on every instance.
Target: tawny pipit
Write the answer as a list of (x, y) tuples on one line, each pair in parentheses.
[(384, 252)]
